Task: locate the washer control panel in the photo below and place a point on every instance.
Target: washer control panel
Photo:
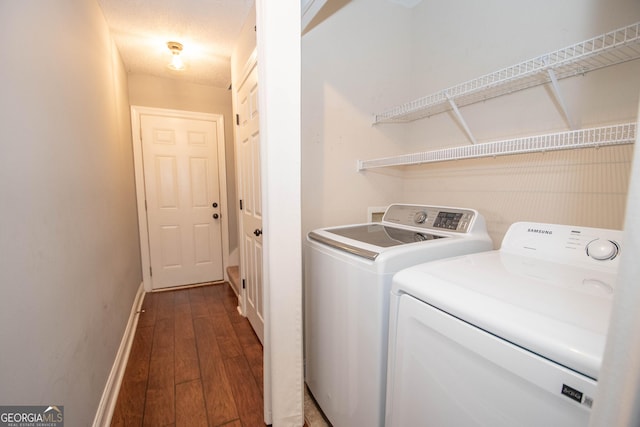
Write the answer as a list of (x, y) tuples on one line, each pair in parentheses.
[(431, 217)]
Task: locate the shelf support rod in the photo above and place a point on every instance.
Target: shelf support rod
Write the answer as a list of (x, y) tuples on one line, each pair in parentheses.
[(460, 119), (559, 98)]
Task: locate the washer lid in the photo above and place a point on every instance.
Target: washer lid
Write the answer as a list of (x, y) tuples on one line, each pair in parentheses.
[(383, 235), (558, 311), (369, 240)]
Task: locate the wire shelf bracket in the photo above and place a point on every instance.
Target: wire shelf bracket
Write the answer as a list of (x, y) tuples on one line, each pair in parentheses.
[(461, 120), (558, 94), (618, 134), (611, 48)]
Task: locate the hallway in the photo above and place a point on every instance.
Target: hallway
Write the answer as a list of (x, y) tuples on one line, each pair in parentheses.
[(194, 362)]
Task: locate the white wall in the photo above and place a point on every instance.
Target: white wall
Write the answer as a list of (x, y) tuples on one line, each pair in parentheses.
[(70, 264), (353, 64), (175, 94), (457, 42), (582, 187), (372, 55)]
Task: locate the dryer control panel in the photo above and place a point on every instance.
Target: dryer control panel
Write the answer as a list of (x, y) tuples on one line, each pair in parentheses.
[(596, 247), (457, 220)]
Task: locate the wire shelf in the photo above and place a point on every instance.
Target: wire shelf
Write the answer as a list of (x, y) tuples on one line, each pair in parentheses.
[(593, 137), (612, 48)]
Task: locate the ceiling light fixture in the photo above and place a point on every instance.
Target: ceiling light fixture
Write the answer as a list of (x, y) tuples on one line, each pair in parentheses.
[(176, 61)]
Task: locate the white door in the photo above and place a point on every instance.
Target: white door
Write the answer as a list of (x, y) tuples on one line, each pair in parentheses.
[(250, 195), (180, 158)]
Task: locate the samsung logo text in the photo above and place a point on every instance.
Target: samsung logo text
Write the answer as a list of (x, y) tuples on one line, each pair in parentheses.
[(539, 231)]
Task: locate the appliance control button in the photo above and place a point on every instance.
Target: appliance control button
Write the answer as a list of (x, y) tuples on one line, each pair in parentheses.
[(597, 285), (602, 250), (420, 217)]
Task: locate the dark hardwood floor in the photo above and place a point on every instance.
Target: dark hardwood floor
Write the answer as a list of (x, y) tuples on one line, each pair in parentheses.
[(194, 362)]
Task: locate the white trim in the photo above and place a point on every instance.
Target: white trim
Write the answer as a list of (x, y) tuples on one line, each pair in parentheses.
[(112, 388), (619, 379), (136, 112), (278, 41)]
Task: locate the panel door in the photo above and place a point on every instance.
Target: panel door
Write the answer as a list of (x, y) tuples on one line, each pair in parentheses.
[(182, 197), (251, 196)]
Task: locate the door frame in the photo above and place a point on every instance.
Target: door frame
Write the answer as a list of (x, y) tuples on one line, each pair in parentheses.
[(143, 230)]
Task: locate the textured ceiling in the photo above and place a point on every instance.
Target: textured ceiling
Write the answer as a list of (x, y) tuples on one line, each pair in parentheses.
[(208, 29)]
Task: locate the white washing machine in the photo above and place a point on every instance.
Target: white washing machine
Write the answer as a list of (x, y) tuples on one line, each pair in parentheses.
[(504, 338), (348, 273)]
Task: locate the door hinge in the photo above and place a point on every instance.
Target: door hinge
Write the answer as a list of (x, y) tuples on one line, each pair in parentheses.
[(240, 204), (150, 271), (145, 205), (244, 284), (238, 119)]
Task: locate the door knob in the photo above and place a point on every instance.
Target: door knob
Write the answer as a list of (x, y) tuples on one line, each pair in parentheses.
[(257, 232), (216, 216), (215, 204)]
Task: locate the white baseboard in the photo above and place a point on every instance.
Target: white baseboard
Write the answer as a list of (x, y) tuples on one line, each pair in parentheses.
[(112, 388)]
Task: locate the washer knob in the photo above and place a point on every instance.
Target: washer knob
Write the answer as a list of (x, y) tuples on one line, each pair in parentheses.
[(420, 217), (602, 250)]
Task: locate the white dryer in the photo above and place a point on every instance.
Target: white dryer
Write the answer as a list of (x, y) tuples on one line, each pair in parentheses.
[(504, 338), (348, 273)]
